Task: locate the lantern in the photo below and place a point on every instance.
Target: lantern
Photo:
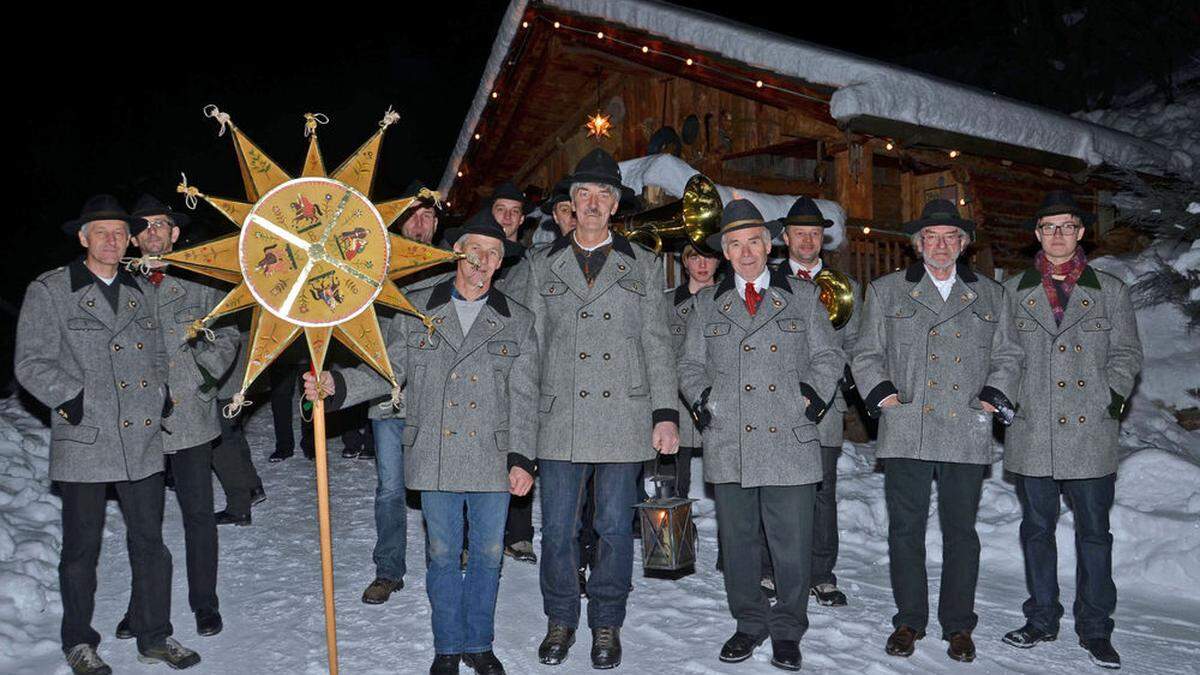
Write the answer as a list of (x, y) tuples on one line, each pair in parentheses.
[(668, 534)]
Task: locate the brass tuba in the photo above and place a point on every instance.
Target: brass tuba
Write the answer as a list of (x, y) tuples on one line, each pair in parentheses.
[(693, 217), (837, 294)]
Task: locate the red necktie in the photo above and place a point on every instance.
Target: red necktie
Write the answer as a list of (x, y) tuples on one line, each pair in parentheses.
[(156, 277), (752, 298), (803, 273)]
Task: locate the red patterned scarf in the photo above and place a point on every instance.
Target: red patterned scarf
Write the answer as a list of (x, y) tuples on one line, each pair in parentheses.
[(1070, 269)]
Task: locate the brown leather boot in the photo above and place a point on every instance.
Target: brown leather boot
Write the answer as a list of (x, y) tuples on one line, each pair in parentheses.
[(903, 641), (962, 647)]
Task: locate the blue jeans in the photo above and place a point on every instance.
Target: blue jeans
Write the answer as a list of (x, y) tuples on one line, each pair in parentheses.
[(1095, 594), (464, 606), (391, 512), (564, 492)]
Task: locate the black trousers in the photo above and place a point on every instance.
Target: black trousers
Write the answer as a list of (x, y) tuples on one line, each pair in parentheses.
[(825, 527), (785, 513), (233, 465), (519, 526), (906, 488), (192, 468), (83, 506), (284, 378)]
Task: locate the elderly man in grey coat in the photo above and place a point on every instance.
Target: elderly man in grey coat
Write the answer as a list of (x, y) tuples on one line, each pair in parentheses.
[(937, 359), (196, 363), (469, 434), (607, 402), (761, 364), (89, 346), (1082, 355)]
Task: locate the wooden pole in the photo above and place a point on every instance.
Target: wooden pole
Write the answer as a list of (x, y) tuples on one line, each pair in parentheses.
[(318, 418)]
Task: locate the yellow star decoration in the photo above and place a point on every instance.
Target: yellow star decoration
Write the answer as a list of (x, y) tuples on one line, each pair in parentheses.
[(313, 253), (598, 125)]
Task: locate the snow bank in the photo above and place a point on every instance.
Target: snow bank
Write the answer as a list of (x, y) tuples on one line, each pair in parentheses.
[(672, 174), (30, 537)]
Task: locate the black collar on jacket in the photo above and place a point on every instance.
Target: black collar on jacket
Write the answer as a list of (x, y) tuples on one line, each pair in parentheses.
[(1032, 277), (81, 276), (619, 243), (682, 294), (917, 270), (441, 294)]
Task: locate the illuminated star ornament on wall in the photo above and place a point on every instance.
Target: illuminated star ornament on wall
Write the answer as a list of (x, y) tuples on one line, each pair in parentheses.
[(598, 125), (313, 253)]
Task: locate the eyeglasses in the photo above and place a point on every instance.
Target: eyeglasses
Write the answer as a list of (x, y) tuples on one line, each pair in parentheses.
[(947, 239), (1050, 229)]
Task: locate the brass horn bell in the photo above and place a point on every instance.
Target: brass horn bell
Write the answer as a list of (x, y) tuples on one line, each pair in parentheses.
[(837, 294), (689, 219)]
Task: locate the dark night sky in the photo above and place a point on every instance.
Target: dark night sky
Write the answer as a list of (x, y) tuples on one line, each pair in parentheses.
[(119, 110)]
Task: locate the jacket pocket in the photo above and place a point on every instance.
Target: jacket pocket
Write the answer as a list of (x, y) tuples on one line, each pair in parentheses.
[(1026, 325), (1098, 324), (791, 326), (79, 433), (806, 434), (636, 286), (678, 329), (504, 348), (545, 403), (637, 367), (716, 329), (552, 288), (188, 314), (84, 324), (423, 340), (502, 441), (410, 435)]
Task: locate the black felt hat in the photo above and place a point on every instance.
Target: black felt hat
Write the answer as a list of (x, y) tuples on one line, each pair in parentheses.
[(559, 194), (103, 207), (149, 205), (804, 211), (1058, 202), (740, 214), (509, 190), (412, 192), (940, 212), (597, 167), (482, 222)]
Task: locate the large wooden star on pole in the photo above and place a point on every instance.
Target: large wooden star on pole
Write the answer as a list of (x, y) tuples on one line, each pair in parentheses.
[(313, 254)]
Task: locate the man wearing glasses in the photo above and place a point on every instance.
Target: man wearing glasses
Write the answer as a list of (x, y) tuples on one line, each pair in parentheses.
[(937, 359), (1079, 333)]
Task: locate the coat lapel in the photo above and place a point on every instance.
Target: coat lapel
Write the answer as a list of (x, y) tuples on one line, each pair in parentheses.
[(961, 297), (171, 290), (129, 301), (441, 312), (91, 300), (615, 267), (1035, 303), (486, 325), (731, 305), (1079, 305), (566, 268)]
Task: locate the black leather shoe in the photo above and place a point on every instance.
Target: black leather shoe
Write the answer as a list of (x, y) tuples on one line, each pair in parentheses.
[(445, 664), (258, 495), (556, 644), (280, 455), (208, 622), (367, 452), (1101, 651), (739, 647), (227, 518), (350, 453), (606, 647), (1027, 636), (902, 641), (962, 647), (785, 654), (124, 631), (484, 663)]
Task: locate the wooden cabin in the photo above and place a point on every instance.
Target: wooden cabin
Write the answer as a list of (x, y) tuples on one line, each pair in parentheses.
[(755, 110)]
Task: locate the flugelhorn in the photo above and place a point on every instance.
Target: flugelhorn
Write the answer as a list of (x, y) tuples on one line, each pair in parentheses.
[(837, 294), (692, 218)]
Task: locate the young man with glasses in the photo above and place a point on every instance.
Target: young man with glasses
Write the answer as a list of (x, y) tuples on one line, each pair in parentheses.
[(1082, 355)]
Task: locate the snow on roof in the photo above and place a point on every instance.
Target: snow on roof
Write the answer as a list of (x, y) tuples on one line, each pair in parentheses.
[(864, 87)]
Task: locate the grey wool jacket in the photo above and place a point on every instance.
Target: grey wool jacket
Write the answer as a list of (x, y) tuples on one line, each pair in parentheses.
[(471, 400), (940, 357), (197, 366), (608, 370), (102, 373), (1078, 375), (682, 305), (756, 372)]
